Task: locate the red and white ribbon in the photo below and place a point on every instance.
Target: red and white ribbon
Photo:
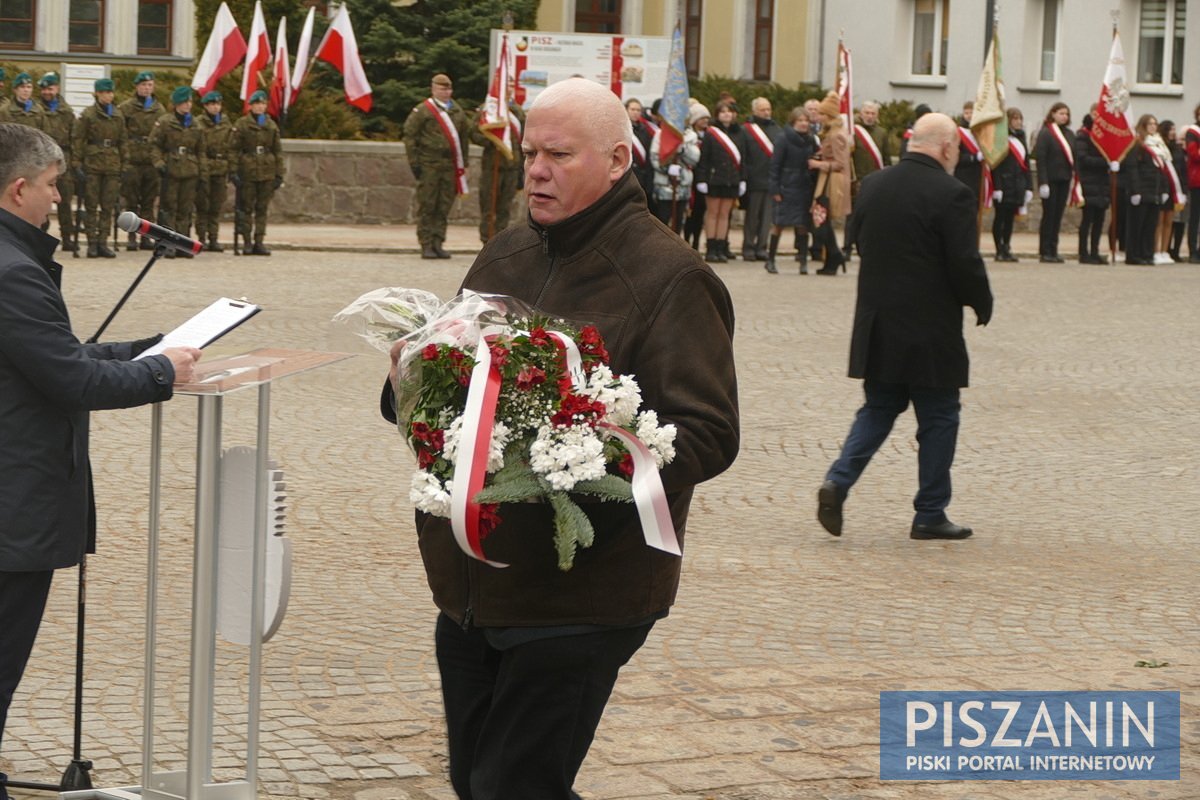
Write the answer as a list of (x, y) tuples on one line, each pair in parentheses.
[(1075, 198), (760, 138), (474, 444), (732, 149), (639, 151), (1178, 195), (864, 138), (1018, 152), (451, 134)]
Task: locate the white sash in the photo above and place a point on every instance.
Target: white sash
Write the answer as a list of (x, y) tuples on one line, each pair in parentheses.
[(451, 134), (723, 139), (1076, 195), (760, 138), (864, 136), (1019, 153), (968, 138), (639, 151)]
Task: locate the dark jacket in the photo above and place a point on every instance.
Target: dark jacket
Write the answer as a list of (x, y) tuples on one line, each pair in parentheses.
[(1145, 178), (1094, 173), (915, 228), (969, 169), (791, 178), (644, 170), (716, 167), (48, 384), (1052, 164), (668, 320), (1010, 178), (758, 163)]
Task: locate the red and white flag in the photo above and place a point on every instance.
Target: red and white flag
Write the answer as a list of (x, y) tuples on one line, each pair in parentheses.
[(845, 100), (301, 70), (281, 83), (222, 54), (340, 48), (258, 54), (1112, 131), (495, 120)]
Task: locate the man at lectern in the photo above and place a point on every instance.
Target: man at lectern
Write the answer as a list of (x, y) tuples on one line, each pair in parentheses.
[(49, 381)]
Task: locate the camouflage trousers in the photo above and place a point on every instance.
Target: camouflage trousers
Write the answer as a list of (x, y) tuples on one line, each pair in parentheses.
[(177, 203), (140, 187), (435, 198), (66, 209), (100, 196), (506, 182), (211, 192), (252, 214)]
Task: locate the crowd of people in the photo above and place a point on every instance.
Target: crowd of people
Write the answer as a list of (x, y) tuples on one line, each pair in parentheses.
[(165, 164)]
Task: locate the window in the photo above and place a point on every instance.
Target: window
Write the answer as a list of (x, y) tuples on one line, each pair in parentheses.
[(691, 36), (154, 26), (16, 24), (931, 37), (85, 31), (764, 27), (1051, 9), (1160, 41), (598, 16)]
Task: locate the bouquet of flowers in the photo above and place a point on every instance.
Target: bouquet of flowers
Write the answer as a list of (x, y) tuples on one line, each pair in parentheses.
[(504, 405)]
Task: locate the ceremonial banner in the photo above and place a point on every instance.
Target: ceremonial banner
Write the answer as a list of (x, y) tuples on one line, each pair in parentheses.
[(495, 123), (674, 106), (1112, 130), (989, 120), (845, 100)]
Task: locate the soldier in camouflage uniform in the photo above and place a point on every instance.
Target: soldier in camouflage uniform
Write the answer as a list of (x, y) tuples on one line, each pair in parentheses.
[(432, 160), (57, 121), (179, 158), (216, 145), (21, 108), (141, 183), (98, 156), (507, 170), (259, 152)]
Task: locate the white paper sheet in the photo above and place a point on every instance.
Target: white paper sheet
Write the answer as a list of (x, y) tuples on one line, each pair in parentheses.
[(206, 327)]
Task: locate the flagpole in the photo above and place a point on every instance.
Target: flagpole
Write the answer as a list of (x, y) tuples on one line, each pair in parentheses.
[(1112, 180)]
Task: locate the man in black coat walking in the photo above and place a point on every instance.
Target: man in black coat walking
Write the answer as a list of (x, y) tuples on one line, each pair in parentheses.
[(49, 382), (915, 228)]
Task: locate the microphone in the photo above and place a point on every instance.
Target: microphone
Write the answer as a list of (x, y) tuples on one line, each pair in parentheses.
[(132, 223)]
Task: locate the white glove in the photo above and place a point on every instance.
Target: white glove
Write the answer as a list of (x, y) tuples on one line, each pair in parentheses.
[(1022, 211), (997, 196), (1162, 201), (673, 170), (1135, 199), (979, 156), (702, 188), (742, 188), (1114, 166), (1044, 191), (1028, 197)]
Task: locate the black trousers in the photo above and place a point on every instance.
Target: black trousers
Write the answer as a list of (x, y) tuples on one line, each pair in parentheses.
[(1142, 224), (1002, 227), (521, 720), (1091, 228), (1193, 229), (1052, 215), (22, 603)]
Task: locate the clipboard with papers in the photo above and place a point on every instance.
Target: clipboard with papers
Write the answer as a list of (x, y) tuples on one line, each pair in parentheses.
[(218, 319)]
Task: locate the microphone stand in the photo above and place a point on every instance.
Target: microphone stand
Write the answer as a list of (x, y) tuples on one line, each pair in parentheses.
[(160, 250)]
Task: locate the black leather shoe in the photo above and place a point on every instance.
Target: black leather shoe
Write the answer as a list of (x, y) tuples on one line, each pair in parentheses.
[(769, 266), (429, 252), (748, 255), (829, 507), (1050, 260), (1194, 259), (942, 530), (260, 249), (760, 255), (145, 245)]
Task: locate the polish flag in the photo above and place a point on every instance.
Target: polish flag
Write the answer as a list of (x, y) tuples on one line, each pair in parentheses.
[(278, 95), (222, 54), (340, 49), (301, 70), (258, 54)]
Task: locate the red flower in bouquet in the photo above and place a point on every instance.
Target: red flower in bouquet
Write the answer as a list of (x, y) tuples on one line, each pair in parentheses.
[(529, 377)]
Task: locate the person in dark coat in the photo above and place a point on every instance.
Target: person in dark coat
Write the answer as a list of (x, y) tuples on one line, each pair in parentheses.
[(790, 183), (969, 168), (1012, 186), (642, 135), (915, 227), (762, 138), (1147, 195), (721, 178), (1056, 174), (49, 382), (1094, 171), (1173, 219)]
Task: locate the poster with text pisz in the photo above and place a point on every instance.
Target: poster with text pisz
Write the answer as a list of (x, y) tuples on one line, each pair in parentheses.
[(632, 66)]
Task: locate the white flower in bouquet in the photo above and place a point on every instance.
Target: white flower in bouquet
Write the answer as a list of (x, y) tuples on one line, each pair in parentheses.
[(427, 493), (501, 435), (660, 440), (565, 456), (620, 395)]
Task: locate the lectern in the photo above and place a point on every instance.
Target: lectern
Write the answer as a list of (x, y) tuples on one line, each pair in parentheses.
[(212, 382)]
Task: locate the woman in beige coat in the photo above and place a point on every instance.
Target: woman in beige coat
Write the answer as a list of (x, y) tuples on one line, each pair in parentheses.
[(833, 181)]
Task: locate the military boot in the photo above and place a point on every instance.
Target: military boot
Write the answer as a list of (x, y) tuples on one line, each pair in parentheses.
[(93, 250), (429, 251), (260, 249), (104, 252), (214, 246), (132, 244)]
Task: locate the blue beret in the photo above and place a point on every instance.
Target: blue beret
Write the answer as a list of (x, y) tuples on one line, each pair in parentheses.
[(212, 97), (142, 77), (258, 97), (103, 85), (49, 79), (182, 94), (22, 79)]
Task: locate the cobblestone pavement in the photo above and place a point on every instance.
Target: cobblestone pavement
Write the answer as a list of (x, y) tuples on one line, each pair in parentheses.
[(1077, 466)]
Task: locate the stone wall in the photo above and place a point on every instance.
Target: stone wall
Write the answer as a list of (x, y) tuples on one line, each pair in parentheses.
[(369, 183)]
